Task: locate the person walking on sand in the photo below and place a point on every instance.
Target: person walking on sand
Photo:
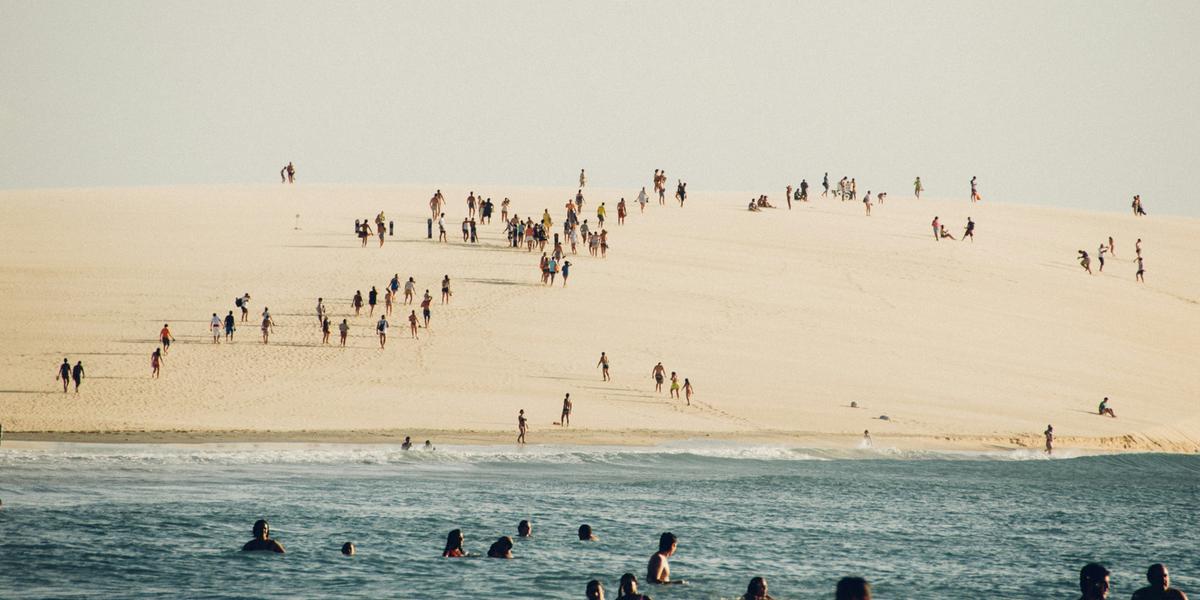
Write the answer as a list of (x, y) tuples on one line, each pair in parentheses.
[(866, 202), (566, 411), (388, 297), (267, 326), (156, 361), (582, 179), (788, 196), (343, 332), (1112, 249), (918, 188), (659, 373), (381, 328), (372, 299), (1100, 255), (357, 302), (603, 365), (1049, 433), (522, 427), (803, 190), (215, 325), (674, 385), (244, 304), (687, 390), (974, 190), (446, 293), (1085, 262), (229, 326), (442, 228), (566, 271), (166, 338), (1140, 276), (825, 184), (426, 303), (621, 212), (412, 324), (969, 232), (410, 287), (936, 229), (77, 374), (642, 199), (325, 330), (64, 374), (320, 310), (1137, 248)]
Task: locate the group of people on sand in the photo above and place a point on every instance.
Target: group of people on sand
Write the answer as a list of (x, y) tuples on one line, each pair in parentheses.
[(939, 230), (383, 228), (67, 373), (1104, 410), (288, 173), (1110, 249), (658, 373), (390, 293)]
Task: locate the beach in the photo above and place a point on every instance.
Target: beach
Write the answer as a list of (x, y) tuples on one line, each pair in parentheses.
[(780, 319)]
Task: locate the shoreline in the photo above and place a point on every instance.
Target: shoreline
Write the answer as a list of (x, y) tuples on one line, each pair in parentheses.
[(600, 437)]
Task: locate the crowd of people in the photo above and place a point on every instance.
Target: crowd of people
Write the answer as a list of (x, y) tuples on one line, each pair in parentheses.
[(1109, 249)]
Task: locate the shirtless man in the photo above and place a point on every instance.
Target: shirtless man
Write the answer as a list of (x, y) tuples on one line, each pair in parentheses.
[(412, 324), (659, 372), (77, 374), (1049, 433), (1160, 585), (603, 364), (566, 411), (659, 568), (425, 303), (64, 373), (344, 331), (522, 426), (262, 541)]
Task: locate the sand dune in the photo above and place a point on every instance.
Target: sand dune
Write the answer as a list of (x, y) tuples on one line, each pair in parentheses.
[(780, 319)]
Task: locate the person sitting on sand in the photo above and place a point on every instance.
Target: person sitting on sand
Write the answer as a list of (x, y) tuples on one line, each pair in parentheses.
[(585, 533), (757, 590), (853, 588), (1085, 262), (502, 548), (1160, 585), (595, 590), (454, 545), (946, 234), (628, 589), (764, 203), (658, 570), (1105, 410), (262, 541), (1093, 582), (753, 207)]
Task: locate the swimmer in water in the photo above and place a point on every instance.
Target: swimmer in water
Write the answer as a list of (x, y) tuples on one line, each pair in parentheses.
[(658, 570), (262, 541), (757, 590), (585, 533), (595, 590), (454, 545), (867, 438), (502, 548), (1093, 582), (1160, 586), (348, 548), (853, 588), (628, 589), (525, 528)]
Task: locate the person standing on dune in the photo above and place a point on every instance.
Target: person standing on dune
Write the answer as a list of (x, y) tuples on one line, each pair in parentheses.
[(936, 229), (64, 373), (918, 188), (582, 179), (603, 365)]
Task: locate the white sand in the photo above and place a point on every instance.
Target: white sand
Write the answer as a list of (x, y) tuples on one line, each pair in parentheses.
[(780, 319)]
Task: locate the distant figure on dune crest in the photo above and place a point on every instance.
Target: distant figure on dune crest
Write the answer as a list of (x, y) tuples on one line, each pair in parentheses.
[(1112, 249), (1085, 261), (582, 179), (974, 191), (757, 590), (866, 202), (936, 229), (825, 184), (852, 588), (787, 195), (1160, 585), (1049, 433), (262, 541), (803, 190), (1105, 410), (621, 212), (681, 192), (918, 188), (1138, 211)]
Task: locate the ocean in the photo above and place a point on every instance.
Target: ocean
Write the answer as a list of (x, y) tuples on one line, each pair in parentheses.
[(135, 521)]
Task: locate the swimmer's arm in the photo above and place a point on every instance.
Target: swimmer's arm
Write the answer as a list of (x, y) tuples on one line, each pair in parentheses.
[(276, 547)]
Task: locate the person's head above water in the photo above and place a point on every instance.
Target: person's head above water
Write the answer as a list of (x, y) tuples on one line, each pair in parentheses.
[(629, 585), (595, 590), (454, 541), (1093, 581), (502, 548), (1158, 576), (757, 589), (853, 588), (585, 533), (348, 548), (524, 528), (667, 542), (262, 529)]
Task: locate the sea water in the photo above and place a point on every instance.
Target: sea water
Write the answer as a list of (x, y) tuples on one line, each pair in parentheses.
[(111, 521)]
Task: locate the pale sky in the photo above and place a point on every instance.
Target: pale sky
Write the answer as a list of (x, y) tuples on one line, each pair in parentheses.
[(1077, 104)]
